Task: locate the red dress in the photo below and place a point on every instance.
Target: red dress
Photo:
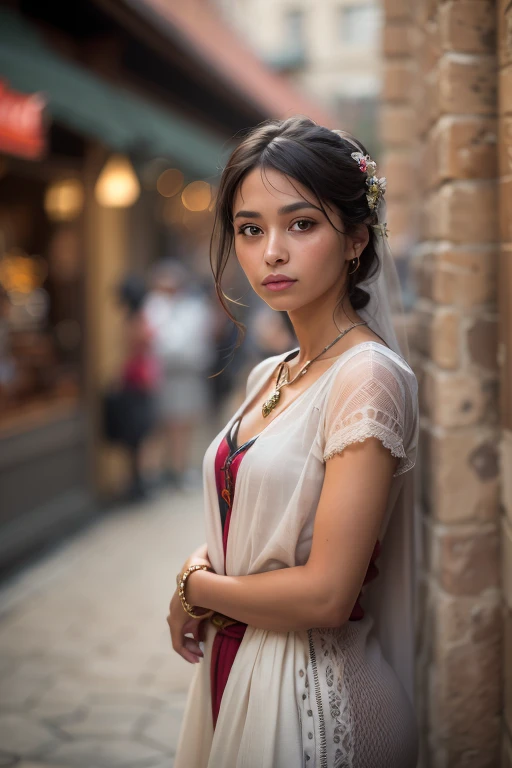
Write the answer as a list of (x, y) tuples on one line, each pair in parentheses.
[(227, 640)]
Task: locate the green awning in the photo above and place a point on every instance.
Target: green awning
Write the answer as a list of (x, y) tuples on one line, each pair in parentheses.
[(118, 118)]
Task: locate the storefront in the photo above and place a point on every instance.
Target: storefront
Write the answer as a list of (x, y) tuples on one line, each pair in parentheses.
[(64, 245), (43, 440)]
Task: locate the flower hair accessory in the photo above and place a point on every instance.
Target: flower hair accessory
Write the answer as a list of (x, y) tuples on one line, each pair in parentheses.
[(381, 228), (376, 186)]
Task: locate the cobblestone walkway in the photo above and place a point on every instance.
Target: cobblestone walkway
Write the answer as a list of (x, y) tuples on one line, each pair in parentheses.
[(88, 677)]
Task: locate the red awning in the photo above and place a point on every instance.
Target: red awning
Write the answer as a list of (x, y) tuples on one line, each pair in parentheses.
[(21, 123)]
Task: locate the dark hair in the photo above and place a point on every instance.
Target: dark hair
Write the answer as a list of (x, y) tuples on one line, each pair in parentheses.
[(131, 292), (320, 160)]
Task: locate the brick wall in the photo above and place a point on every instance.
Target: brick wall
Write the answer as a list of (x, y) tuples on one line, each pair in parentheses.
[(443, 140), (505, 345)]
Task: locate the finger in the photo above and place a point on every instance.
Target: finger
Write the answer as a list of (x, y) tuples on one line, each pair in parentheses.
[(185, 647), (192, 658), (192, 646)]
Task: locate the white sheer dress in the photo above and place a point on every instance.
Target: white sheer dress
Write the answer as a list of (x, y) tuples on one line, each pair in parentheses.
[(321, 698)]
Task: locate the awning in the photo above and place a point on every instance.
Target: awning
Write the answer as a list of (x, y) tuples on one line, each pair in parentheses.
[(117, 117)]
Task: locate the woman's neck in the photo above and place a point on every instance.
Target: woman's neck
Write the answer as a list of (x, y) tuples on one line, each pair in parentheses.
[(316, 329)]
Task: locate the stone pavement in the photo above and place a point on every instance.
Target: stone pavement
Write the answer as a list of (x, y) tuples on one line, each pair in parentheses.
[(88, 677)]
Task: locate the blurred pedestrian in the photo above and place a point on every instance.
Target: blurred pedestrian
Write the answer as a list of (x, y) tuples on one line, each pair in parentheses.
[(130, 408), (181, 319)]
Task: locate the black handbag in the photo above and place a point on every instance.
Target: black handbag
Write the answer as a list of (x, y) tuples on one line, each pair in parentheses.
[(129, 416)]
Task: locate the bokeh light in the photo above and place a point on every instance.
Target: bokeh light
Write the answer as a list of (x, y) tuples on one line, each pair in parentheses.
[(197, 196), (117, 185), (170, 182), (64, 200)]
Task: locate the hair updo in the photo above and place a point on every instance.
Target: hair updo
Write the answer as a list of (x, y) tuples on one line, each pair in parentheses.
[(317, 158)]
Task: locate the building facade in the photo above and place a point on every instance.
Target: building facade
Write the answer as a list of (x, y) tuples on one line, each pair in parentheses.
[(331, 49)]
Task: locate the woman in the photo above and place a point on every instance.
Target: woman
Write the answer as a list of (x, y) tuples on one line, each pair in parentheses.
[(130, 407), (311, 480)]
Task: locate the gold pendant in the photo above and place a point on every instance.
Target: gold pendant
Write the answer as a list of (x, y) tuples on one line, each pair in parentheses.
[(270, 404), (283, 377)]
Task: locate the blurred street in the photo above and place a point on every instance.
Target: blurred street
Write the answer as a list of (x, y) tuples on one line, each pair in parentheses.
[(87, 673)]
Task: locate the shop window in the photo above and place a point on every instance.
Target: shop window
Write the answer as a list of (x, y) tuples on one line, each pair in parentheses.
[(294, 34), (359, 24), (41, 299)]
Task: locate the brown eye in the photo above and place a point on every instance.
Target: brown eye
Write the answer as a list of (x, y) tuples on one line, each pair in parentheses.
[(249, 230), (308, 224)]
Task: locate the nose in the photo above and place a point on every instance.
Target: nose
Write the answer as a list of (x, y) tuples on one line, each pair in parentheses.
[(275, 248)]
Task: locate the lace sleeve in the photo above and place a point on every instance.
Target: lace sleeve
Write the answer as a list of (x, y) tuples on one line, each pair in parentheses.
[(373, 396)]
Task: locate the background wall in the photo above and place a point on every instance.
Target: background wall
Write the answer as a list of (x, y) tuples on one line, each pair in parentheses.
[(443, 138)]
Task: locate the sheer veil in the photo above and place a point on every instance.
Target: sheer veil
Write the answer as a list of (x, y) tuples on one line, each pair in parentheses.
[(391, 599)]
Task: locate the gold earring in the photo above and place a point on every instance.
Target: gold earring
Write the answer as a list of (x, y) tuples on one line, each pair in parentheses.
[(355, 270)]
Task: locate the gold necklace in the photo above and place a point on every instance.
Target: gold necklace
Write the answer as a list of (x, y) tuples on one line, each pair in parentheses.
[(283, 374)]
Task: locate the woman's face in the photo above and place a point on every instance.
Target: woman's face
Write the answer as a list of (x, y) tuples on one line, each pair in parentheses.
[(279, 229)]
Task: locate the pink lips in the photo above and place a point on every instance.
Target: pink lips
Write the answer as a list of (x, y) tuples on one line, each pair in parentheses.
[(280, 286)]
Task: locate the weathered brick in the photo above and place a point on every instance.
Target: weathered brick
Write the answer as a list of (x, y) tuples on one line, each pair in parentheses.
[(430, 162), (467, 148), (468, 560), (397, 125), (482, 340), (397, 38), (459, 399), (473, 619), (504, 356), (431, 107), (505, 192), (508, 669), (397, 9), (504, 32), (468, 26), (421, 272), (462, 474), (431, 217), (507, 561), (445, 336), (506, 463), (464, 628), (467, 84), (505, 90), (464, 212), (398, 80), (430, 49), (505, 144), (464, 707), (424, 317), (426, 10), (464, 276)]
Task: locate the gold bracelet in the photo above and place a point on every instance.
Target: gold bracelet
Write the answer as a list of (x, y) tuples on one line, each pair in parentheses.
[(181, 580)]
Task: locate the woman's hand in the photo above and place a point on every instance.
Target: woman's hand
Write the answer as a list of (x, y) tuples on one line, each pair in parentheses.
[(180, 624)]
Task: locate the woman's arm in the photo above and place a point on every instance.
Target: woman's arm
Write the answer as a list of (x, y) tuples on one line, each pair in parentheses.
[(323, 592)]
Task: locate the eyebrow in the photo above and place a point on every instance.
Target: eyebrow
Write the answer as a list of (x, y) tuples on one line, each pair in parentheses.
[(285, 209)]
